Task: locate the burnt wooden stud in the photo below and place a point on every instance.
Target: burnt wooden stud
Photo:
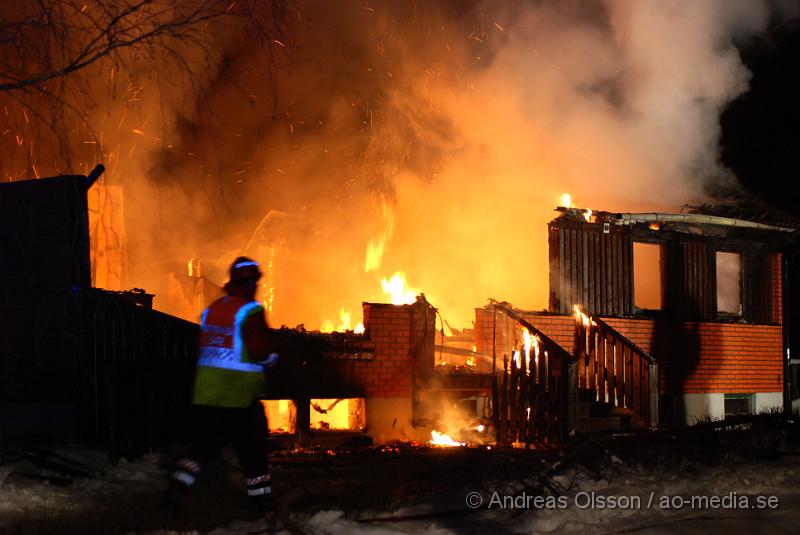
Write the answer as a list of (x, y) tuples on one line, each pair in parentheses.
[(502, 429), (636, 390), (602, 373), (653, 394)]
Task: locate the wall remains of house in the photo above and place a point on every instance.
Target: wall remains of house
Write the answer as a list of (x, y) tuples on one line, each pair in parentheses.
[(396, 336), (694, 357), (705, 357), (401, 339)]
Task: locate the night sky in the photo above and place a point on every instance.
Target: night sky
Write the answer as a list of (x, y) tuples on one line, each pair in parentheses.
[(761, 136), (760, 129)]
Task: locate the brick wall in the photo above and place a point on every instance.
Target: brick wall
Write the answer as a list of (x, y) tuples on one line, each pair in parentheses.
[(693, 357), (401, 337)]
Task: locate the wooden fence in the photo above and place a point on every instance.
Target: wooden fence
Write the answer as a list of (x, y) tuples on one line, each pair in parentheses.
[(136, 367), (615, 370), (529, 396)]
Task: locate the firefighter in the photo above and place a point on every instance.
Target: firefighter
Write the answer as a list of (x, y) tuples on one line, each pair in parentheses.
[(234, 353)]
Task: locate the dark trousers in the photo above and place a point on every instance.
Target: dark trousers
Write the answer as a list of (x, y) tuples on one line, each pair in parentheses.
[(213, 428)]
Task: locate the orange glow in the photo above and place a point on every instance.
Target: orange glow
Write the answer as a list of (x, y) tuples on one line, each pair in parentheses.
[(280, 415), (267, 282), (438, 439), (579, 315), (435, 170), (527, 341), (345, 324), (344, 316), (374, 255), (335, 414), (194, 268), (566, 202), (398, 291), (376, 247)]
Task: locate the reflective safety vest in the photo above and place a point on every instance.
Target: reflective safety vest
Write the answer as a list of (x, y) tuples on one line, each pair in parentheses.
[(226, 376)]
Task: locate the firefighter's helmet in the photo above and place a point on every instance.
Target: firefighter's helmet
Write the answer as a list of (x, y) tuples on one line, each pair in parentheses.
[(244, 268)]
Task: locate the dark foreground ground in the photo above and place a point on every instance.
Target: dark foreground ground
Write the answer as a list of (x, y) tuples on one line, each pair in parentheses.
[(597, 484)]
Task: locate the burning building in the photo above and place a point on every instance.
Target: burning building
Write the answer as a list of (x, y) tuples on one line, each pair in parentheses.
[(653, 317), (101, 366), (685, 311)]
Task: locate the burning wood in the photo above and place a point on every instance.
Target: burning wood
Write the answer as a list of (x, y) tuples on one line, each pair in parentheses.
[(438, 439), (580, 316)]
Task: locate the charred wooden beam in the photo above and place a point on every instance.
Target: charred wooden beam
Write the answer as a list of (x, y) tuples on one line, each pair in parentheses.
[(92, 177)]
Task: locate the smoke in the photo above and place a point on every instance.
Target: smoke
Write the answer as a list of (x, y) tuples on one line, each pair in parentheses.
[(468, 121), (617, 103), (465, 120)]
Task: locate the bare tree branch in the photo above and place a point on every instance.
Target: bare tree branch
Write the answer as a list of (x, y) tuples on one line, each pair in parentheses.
[(64, 63), (119, 31)]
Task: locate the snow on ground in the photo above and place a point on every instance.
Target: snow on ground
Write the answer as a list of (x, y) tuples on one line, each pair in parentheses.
[(626, 498), (645, 499)]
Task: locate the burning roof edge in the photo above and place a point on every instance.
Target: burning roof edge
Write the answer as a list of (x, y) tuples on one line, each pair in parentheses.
[(630, 218), (627, 218)]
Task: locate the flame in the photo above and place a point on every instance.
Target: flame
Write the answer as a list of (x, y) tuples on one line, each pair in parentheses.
[(528, 341), (375, 248), (471, 361), (344, 317), (480, 428), (396, 289), (374, 255), (526, 347), (194, 267), (566, 202), (345, 323), (438, 439), (579, 315)]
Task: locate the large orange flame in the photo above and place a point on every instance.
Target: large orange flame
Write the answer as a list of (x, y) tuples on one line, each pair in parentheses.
[(438, 439), (375, 248), (398, 291)]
